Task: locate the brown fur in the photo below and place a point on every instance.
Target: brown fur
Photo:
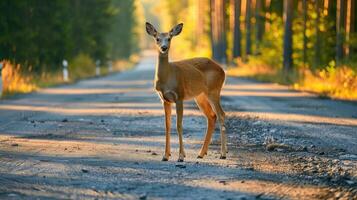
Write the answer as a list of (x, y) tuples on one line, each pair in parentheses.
[(198, 78), (196, 75)]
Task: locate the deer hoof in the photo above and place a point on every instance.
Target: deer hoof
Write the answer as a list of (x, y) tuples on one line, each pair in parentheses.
[(222, 157), (180, 160), (199, 157), (164, 159)]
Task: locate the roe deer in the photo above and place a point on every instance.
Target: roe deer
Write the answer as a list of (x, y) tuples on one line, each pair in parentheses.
[(198, 78)]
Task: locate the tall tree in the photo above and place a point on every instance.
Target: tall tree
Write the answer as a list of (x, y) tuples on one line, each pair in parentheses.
[(353, 49), (259, 24), (339, 30), (200, 6), (331, 19), (349, 24), (288, 50), (122, 42), (317, 33), (248, 28), (218, 30), (41, 34), (236, 29), (304, 8), (277, 7), (222, 27), (267, 14), (213, 32)]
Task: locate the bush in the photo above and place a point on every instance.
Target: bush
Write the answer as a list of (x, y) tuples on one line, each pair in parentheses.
[(82, 66)]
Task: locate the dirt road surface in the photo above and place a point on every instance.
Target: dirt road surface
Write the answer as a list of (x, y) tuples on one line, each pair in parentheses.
[(103, 138)]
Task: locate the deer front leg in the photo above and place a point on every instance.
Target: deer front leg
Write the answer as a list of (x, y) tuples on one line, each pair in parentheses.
[(179, 115), (167, 108)]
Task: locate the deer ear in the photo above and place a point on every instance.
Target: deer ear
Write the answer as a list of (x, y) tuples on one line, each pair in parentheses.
[(176, 30), (150, 29)]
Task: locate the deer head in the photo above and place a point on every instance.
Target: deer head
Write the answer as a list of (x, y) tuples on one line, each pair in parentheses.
[(163, 40)]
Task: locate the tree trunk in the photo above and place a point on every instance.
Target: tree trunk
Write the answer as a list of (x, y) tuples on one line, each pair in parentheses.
[(331, 6), (236, 29), (267, 15), (353, 49), (304, 7), (218, 30), (288, 18), (339, 27), (213, 32), (222, 31), (199, 22), (353, 16), (317, 32), (259, 25), (349, 14), (247, 28)]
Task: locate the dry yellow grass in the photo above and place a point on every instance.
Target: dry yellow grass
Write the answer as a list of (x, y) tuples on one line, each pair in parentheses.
[(338, 83), (334, 82), (14, 81), (251, 69)]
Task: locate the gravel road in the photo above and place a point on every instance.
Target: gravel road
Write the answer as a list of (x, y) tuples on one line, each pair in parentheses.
[(103, 138)]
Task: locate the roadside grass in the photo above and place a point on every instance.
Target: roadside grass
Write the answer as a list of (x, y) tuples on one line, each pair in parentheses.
[(330, 82), (19, 80), (15, 81)]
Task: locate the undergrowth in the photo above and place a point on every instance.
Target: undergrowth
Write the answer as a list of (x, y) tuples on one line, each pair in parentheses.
[(19, 79), (331, 81)]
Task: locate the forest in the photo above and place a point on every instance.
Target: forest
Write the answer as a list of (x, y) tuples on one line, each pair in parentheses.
[(94, 106), (308, 44), (37, 35)]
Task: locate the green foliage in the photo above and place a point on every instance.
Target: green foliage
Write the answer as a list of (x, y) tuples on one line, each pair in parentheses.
[(272, 45), (28, 38), (82, 66), (41, 33), (90, 22), (320, 34), (122, 40)]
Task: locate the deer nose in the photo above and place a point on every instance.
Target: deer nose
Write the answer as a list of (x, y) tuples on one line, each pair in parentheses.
[(164, 48)]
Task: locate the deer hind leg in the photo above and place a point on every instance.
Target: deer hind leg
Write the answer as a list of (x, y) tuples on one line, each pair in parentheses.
[(179, 115), (167, 108), (214, 99), (206, 108)]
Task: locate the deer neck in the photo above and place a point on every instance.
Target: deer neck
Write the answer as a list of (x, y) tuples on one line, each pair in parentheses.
[(163, 69)]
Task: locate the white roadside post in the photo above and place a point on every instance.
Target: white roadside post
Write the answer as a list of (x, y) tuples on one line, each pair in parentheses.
[(110, 66), (1, 65), (97, 68), (65, 71)]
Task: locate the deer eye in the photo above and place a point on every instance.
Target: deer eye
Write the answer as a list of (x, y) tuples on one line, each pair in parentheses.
[(157, 40)]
